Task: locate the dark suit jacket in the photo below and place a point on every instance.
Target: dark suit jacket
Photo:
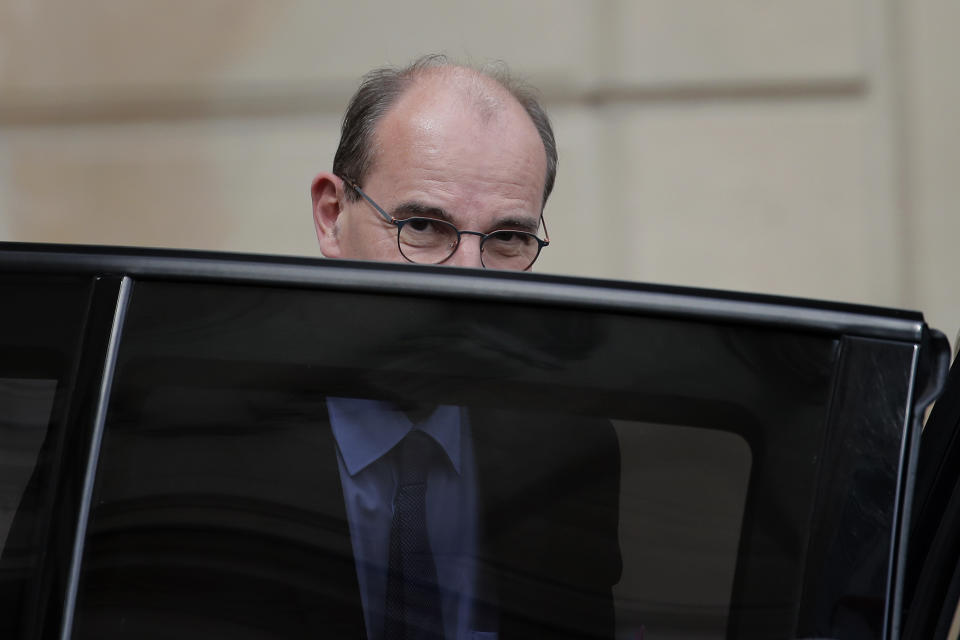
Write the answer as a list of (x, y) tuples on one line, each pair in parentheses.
[(225, 518)]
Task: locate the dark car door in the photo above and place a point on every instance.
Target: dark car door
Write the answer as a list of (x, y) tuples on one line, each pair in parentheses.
[(649, 462), (932, 582)]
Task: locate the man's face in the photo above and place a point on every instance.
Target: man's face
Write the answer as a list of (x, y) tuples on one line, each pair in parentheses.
[(437, 156)]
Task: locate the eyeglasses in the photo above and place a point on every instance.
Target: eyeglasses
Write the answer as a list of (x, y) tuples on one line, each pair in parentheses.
[(433, 241)]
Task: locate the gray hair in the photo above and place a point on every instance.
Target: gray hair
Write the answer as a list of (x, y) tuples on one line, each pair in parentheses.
[(380, 89)]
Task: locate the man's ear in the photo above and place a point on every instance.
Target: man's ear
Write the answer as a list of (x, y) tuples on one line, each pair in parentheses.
[(327, 194)]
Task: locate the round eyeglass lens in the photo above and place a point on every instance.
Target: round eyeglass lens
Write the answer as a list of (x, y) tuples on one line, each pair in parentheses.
[(510, 250), (427, 240)]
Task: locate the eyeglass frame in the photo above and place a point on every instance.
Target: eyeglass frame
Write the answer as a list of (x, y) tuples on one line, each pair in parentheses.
[(398, 223)]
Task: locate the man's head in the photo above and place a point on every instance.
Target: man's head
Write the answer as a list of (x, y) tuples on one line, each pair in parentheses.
[(439, 141)]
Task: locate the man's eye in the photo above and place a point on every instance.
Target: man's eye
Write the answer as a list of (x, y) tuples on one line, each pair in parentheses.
[(421, 233), (422, 225), (513, 238)]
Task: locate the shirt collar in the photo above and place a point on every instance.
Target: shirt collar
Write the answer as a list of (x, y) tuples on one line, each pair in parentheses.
[(366, 430)]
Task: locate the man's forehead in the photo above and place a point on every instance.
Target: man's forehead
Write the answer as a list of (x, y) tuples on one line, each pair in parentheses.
[(454, 90), (457, 107)]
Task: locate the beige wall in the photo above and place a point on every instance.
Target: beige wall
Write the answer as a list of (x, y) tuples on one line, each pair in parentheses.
[(802, 148)]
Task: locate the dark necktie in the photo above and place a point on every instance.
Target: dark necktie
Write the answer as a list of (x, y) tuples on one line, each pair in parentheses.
[(413, 598)]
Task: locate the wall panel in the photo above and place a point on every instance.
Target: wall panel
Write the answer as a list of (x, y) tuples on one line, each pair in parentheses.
[(238, 185), (767, 200), (674, 42)]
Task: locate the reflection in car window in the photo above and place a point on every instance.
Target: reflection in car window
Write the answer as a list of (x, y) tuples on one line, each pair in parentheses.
[(219, 505), (683, 495), (26, 405), (40, 330)]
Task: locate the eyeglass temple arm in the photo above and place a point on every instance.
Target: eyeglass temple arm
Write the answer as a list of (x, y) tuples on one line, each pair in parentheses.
[(386, 216), (543, 221)]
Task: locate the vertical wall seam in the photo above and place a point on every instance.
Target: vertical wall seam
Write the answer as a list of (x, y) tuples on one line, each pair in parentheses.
[(903, 151)]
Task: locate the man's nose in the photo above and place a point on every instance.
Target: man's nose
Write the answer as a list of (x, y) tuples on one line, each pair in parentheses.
[(468, 252)]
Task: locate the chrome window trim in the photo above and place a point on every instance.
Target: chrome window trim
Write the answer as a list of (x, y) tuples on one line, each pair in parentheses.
[(103, 400)]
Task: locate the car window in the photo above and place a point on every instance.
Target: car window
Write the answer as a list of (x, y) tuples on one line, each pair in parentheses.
[(636, 475), (40, 338)]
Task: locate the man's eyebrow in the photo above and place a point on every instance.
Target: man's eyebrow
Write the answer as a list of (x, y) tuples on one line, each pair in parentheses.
[(412, 208), (518, 224)]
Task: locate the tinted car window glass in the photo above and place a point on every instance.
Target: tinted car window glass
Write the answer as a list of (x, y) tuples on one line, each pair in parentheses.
[(631, 470), (683, 495), (40, 330), (27, 403)]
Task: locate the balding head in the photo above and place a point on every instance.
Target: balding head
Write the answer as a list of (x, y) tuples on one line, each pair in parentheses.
[(486, 90)]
